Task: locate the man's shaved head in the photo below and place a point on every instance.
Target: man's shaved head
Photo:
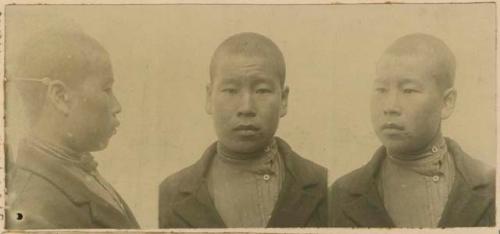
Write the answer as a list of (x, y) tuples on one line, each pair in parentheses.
[(250, 45), (433, 51), (413, 92), (65, 55), (246, 95)]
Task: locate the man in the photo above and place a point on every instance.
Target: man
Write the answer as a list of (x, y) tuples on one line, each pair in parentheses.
[(65, 79), (418, 178), (248, 178)]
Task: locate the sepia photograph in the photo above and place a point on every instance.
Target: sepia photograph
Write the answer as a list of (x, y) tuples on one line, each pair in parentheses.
[(321, 117)]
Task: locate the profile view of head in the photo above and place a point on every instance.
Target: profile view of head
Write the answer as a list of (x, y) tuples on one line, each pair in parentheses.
[(413, 92), (65, 79), (247, 95)]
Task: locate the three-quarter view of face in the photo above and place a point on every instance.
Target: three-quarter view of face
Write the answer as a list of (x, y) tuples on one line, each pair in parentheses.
[(408, 101), (246, 96)]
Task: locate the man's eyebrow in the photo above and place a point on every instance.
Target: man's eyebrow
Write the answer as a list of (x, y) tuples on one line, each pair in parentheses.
[(379, 80), (260, 79)]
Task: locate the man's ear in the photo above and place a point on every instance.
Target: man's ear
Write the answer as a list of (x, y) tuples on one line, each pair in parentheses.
[(59, 96), (284, 101), (449, 99), (208, 98)]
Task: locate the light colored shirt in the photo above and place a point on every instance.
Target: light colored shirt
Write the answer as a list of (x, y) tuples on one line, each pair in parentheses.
[(84, 168), (245, 191), (416, 191)]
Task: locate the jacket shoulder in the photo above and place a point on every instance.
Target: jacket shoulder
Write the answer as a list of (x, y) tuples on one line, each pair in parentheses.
[(173, 181), (35, 203), (310, 167), (480, 170), (474, 170), (351, 178)]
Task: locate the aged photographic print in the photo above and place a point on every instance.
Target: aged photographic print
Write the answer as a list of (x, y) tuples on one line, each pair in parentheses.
[(221, 116)]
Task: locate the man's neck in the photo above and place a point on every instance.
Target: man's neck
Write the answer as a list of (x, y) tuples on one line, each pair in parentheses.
[(231, 154), (417, 154), (51, 135)]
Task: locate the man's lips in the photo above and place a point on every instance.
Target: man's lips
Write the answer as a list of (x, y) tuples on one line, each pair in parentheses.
[(114, 129), (392, 126), (246, 128)]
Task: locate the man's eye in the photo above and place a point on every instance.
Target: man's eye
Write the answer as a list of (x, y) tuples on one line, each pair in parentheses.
[(380, 90), (108, 90), (410, 91), (263, 91), (229, 91)]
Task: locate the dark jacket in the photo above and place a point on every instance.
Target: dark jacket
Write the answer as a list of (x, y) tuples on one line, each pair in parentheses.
[(48, 196), (185, 201), (355, 201)]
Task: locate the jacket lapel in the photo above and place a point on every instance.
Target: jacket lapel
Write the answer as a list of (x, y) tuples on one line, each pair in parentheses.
[(57, 171), (367, 210), (197, 208), (294, 205), (364, 205), (107, 216), (130, 215), (300, 195), (469, 197), (464, 207)]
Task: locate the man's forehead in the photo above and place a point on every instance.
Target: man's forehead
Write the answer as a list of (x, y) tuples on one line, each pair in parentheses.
[(246, 65), (399, 80), (100, 72), (418, 55), (417, 64)]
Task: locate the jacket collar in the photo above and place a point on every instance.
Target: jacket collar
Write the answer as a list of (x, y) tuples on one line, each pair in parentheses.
[(466, 200), (197, 208), (296, 201), (472, 192), (301, 193), (57, 171)]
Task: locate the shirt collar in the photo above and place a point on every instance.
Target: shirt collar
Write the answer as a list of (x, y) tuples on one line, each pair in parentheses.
[(428, 162), (84, 161), (265, 163), (266, 155)]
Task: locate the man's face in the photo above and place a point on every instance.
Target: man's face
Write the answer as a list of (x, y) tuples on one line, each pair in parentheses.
[(93, 113), (246, 100), (406, 103)]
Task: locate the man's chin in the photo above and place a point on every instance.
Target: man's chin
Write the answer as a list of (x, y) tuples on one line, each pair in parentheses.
[(100, 146), (401, 147), (246, 147)]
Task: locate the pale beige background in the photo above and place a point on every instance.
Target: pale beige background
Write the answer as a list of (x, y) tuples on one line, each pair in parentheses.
[(161, 54)]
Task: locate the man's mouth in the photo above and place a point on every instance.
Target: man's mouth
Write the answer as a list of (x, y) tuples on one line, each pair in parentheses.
[(392, 126), (114, 129), (246, 128)]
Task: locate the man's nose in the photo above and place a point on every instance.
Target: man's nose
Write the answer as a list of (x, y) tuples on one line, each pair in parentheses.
[(117, 107), (392, 104), (247, 105)]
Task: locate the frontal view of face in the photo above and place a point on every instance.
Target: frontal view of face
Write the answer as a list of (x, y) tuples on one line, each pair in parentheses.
[(406, 104), (246, 99)]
